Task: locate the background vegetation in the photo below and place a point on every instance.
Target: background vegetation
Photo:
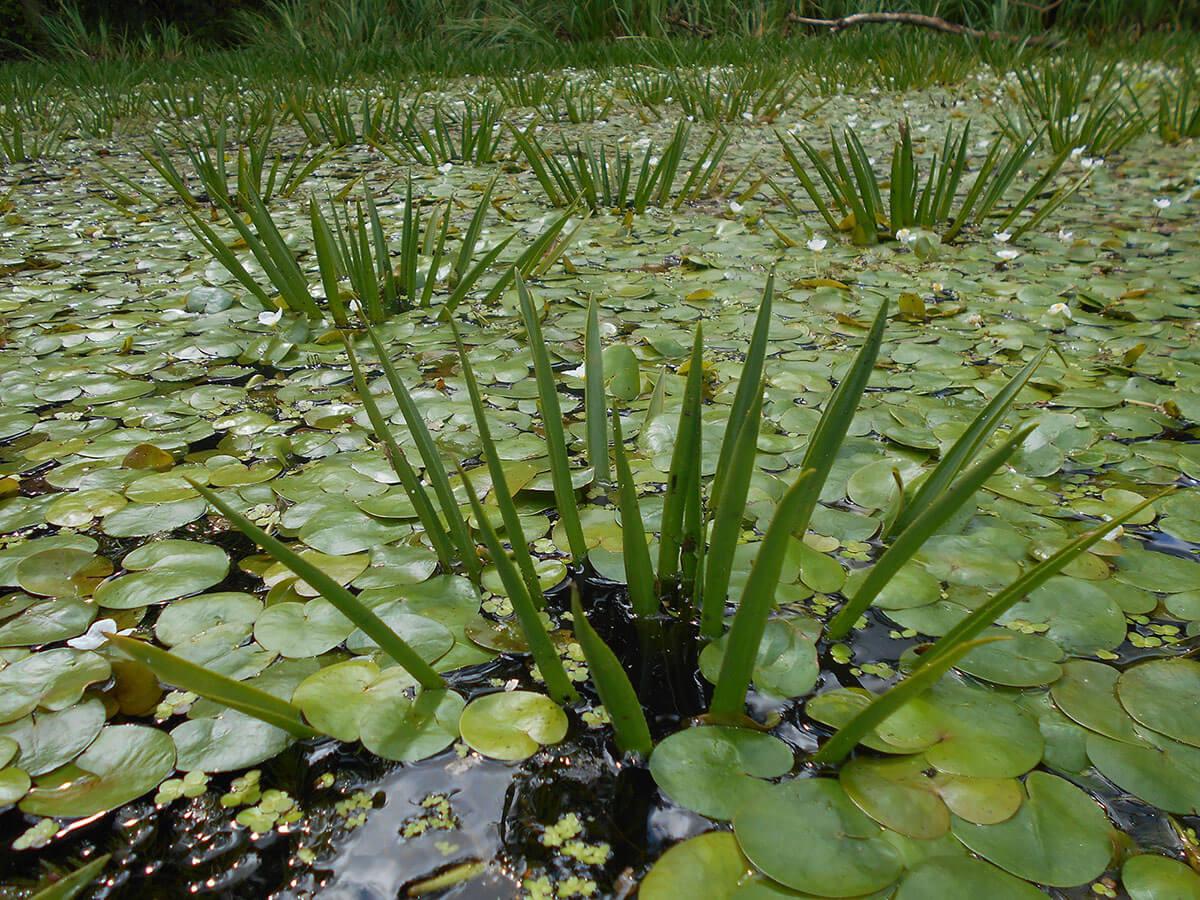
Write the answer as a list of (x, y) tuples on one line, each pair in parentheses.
[(145, 28)]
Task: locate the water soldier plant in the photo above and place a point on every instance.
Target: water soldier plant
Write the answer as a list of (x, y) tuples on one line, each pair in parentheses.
[(677, 610), (594, 562)]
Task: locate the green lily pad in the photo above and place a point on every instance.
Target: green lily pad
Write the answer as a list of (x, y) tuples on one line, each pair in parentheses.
[(48, 621), (948, 876), (124, 762), (1020, 660), (1164, 694), (145, 519), (48, 740), (408, 730), (66, 573), (1087, 692), (1151, 877), (331, 697), (299, 630), (14, 784), (713, 770), (512, 725), (842, 854), (786, 665), (1060, 836), (227, 742), (184, 619), (1160, 771), (430, 639), (163, 570), (709, 865), (897, 794), (52, 679)]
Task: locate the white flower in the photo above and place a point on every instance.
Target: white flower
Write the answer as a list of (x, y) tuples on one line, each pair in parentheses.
[(1077, 152), (97, 635), (1002, 236), (975, 320), (1089, 162), (1008, 254), (1115, 534), (1065, 236), (816, 244), (735, 207), (905, 236), (270, 318), (1162, 202), (445, 168), (1060, 309), (748, 116)]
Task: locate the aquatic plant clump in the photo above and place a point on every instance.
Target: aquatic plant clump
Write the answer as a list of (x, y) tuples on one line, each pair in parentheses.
[(567, 497)]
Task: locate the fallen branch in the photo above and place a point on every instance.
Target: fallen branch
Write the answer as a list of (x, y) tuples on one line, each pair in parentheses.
[(921, 21)]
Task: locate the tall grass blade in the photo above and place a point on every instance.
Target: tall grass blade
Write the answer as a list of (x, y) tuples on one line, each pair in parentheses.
[(757, 601), (847, 737), (508, 510), (683, 459), (434, 468), (966, 446), (728, 511), (934, 516), (749, 382), (347, 604), (400, 464), (630, 729), (978, 621), (540, 645), (552, 424), (639, 571), (186, 675), (594, 403)]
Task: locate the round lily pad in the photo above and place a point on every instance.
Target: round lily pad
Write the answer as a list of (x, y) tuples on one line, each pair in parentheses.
[(1060, 836), (512, 725), (123, 763), (48, 740), (1020, 660), (64, 572), (842, 852), (163, 570), (227, 742), (1151, 877), (897, 794), (1087, 692), (145, 519), (1164, 694), (786, 665), (14, 784), (331, 697), (1160, 771), (48, 621), (51, 679), (183, 619), (712, 770), (949, 876), (709, 865), (412, 729), (298, 630)]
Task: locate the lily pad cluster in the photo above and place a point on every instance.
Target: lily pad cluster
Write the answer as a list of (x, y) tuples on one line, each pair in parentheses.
[(150, 370)]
